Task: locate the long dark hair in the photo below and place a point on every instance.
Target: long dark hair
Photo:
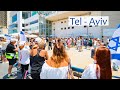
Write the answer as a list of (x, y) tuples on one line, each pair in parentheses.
[(103, 59)]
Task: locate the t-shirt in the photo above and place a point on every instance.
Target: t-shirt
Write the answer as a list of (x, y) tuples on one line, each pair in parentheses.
[(4, 45), (24, 56), (10, 48)]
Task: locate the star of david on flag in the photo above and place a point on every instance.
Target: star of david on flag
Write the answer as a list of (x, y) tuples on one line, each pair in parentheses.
[(114, 46), (22, 36)]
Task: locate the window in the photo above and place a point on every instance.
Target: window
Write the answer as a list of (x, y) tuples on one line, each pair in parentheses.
[(61, 28), (13, 26), (61, 22), (14, 18), (34, 13), (34, 28), (68, 27), (64, 21), (33, 22), (65, 28), (72, 27), (23, 29), (26, 24), (23, 25)]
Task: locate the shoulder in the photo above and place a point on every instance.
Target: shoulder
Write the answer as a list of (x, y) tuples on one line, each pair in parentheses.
[(43, 51)]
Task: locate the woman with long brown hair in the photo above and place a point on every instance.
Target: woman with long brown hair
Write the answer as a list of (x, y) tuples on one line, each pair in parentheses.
[(57, 66), (101, 69)]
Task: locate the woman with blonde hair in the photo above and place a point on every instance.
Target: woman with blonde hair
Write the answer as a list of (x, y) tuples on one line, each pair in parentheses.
[(38, 57), (101, 69), (57, 66)]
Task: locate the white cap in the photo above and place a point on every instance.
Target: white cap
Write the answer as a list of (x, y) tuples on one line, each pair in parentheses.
[(13, 40), (38, 40), (22, 43)]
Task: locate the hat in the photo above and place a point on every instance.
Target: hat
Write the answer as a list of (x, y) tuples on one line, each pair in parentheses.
[(22, 43), (38, 40)]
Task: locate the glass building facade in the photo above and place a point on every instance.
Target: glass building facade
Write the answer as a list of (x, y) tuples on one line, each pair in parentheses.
[(14, 18), (45, 27)]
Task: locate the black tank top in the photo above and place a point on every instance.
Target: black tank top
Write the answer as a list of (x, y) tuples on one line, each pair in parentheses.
[(37, 62)]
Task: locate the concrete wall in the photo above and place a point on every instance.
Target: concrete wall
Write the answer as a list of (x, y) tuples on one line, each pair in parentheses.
[(114, 18), (77, 31)]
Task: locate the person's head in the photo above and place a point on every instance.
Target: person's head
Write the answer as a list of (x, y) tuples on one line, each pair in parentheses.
[(103, 59), (41, 45), (59, 53), (21, 45), (4, 40), (13, 41)]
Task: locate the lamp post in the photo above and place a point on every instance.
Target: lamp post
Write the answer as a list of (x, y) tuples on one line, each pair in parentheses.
[(87, 30)]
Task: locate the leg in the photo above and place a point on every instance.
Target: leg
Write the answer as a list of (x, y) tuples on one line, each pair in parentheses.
[(26, 70), (11, 63), (22, 70), (10, 69)]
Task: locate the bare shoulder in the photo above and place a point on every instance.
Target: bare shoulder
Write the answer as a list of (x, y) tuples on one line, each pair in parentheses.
[(43, 51)]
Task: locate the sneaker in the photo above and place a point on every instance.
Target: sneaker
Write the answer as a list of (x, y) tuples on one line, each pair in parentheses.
[(15, 65), (18, 68), (9, 75)]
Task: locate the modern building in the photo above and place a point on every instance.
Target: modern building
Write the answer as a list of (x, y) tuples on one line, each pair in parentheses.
[(30, 22), (60, 26), (55, 23), (3, 22), (3, 18)]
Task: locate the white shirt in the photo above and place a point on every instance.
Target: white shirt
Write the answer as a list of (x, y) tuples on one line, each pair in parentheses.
[(95, 43), (4, 45), (90, 72), (53, 73), (53, 41), (24, 56)]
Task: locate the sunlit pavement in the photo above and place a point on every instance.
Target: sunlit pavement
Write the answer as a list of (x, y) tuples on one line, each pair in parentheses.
[(82, 59)]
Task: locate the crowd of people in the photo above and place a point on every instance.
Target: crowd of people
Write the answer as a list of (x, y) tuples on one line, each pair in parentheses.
[(32, 55)]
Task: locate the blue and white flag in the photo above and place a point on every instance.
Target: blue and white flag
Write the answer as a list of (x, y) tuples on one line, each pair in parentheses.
[(7, 37), (114, 46), (22, 36)]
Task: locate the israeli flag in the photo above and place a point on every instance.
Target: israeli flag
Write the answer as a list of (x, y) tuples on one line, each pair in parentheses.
[(7, 37), (114, 46), (22, 36)]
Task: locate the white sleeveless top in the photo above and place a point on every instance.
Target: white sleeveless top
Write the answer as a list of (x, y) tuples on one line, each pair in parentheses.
[(90, 72), (49, 72)]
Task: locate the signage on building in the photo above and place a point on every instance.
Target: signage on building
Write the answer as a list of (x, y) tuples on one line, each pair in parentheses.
[(88, 21)]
